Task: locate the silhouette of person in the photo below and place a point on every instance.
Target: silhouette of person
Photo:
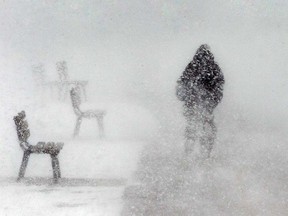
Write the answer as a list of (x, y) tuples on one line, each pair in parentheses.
[(200, 87)]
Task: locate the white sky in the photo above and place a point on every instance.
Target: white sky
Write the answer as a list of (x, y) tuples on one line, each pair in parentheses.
[(131, 44)]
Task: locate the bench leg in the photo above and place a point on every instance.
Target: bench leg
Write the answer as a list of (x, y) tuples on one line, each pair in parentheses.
[(77, 126), (23, 165), (84, 93), (101, 127), (56, 168)]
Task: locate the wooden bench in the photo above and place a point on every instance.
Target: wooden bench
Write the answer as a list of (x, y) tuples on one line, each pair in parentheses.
[(51, 148), (58, 87), (65, 83), (88, 114)]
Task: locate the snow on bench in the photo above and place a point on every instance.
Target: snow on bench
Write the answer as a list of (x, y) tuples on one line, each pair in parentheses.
[(51, 148), (97, 114)]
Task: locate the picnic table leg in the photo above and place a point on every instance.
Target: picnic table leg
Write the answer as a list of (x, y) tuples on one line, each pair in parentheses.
[(100, 126), (61, 91), (66, 91), (84, 93), (23, 166)]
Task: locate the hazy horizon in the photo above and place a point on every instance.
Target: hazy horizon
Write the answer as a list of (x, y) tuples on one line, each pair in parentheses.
[(133, 48)]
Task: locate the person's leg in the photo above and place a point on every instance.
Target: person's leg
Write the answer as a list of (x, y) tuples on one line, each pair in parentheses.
[(209, 135), (191, 134), (190, 139)]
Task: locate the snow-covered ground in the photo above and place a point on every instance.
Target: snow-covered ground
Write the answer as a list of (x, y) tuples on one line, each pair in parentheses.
[(132, 53), (101, 199), (246, 175), (94, 176), (94, 171)]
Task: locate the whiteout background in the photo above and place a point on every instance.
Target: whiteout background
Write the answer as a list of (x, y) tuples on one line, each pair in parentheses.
[(132, 52)]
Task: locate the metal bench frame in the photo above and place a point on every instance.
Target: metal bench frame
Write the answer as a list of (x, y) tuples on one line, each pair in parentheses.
[(51, 148), (89, 114)]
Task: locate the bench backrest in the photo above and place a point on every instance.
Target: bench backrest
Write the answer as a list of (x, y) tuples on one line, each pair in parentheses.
[(76, 100), (62, 70), (39, 73), (23, 131)]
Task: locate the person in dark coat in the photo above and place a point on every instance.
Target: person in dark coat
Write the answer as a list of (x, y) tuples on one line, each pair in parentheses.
[(200, 87)]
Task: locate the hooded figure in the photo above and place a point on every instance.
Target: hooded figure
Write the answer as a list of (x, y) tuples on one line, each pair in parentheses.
[(200, 87)]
